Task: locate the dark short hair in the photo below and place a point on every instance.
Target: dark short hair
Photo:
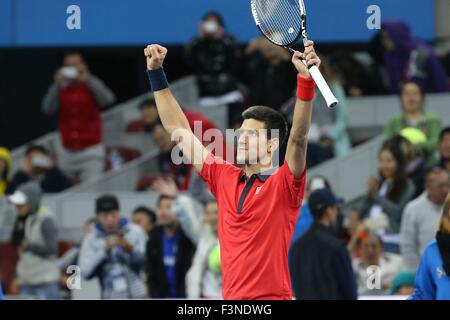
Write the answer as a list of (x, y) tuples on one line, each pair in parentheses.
[(163, 197), (35, 147), (444, 131), (147, 211), (106, 203), (216, 15), (271, 118), (422, 91), (147, 103)]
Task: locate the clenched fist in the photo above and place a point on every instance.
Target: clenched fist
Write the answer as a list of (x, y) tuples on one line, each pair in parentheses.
[(155, 56), (310, 56)]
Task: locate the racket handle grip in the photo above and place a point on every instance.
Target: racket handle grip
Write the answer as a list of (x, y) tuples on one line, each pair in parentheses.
[(323, 87)]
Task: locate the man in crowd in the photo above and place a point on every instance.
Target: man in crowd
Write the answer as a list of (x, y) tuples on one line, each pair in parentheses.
[(145, 218), (421, 217), (78, 97), (320, 264), (114, 252)]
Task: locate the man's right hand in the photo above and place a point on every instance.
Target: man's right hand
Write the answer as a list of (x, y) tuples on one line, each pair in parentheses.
[(155, 56)]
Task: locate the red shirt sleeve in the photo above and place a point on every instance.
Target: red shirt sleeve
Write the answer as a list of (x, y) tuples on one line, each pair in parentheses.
[(294, 186), (212, 170)]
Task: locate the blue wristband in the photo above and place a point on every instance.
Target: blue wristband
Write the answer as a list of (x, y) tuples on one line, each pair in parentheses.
[(158, 80)]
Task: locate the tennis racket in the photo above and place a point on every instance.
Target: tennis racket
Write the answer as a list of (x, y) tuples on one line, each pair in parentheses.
[(283, 22)]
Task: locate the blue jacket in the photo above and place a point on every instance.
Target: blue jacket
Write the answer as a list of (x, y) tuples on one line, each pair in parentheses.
[(1, 292), (305, 220), (431, 281)]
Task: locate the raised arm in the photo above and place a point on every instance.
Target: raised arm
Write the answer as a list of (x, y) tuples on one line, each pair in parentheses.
[(298, 138), (170, 112)]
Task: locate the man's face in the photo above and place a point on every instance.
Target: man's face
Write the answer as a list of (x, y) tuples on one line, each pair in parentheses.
[(143, 220), (75, 60), (23, 210), (165, 215), (438, 187), (211, 215), (109, 220), (149, 115), (162, 139), (444, 147), (253, 145), (371, 251)]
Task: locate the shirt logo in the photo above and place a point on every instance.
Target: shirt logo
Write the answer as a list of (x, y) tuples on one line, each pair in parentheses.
[(258, 190)]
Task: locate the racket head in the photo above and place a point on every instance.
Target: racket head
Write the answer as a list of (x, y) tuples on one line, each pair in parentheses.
[(282, 22)]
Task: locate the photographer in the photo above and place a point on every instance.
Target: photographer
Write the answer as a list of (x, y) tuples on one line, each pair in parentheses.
[(39, 166)]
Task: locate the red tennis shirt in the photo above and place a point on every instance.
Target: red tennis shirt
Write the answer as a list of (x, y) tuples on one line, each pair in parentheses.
[(257, 217)]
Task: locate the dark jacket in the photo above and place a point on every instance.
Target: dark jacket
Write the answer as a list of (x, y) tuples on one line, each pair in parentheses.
[(158, 285), (320, 267), (53, 181)]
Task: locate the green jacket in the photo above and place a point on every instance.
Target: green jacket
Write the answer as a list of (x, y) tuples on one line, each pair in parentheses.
[(430, 125)]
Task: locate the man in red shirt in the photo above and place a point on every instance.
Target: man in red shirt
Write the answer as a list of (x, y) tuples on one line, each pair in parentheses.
[(259, 203)]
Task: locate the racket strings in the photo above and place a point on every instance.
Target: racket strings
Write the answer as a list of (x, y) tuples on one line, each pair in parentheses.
[(280, 20)]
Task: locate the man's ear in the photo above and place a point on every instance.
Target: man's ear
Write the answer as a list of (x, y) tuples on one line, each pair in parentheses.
[(273, 145)]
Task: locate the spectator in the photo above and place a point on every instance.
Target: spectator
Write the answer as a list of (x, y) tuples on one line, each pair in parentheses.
[(181, 173), (70, 258), (444, 149), (269, 75), (387, 196), (213, 56), (403, 284), (204, 278), (1, 292), (37, 269), (320, 265), (433, 278), (388, 265), (169, 254), (39, 166), (148, 117), (421, 218), (5, 170), (114, 252), (145, 218), (78, 96), (406, 59), (414, 116)]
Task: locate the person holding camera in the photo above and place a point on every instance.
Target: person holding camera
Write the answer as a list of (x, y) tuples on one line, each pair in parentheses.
[(39, 166), (114, 252), (78, 97)]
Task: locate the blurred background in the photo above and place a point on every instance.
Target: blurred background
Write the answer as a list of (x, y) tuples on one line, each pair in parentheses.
[(78, 121)]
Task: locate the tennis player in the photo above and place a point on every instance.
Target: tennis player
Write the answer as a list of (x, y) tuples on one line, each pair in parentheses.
[(259, 204)]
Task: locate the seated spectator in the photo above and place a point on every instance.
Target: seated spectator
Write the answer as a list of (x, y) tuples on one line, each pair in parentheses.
[(204, 278), (387, 196), (408, 60), (421, 218), (77, 96), (39, 166), (413, 115), (181, 173), (169, 254), (145, 218), (114, 252), (433, 277), (320, 266), (37, 243), (444, 149), (213, 56), (70, 258), (148, 117), (269, 74), (403, 284), (389, 265), (5, 170)]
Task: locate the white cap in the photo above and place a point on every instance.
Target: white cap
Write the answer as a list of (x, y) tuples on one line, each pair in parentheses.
[(18, 198)]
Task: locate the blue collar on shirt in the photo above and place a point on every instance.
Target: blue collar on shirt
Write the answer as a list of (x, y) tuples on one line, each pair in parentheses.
[(262, 176)]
